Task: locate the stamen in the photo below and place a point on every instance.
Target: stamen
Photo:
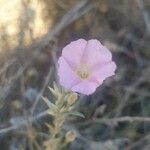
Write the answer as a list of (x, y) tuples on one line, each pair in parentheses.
[(83, 72)]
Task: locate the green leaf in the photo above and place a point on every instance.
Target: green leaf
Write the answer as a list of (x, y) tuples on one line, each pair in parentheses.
[(74, 113), (53, 92), (49, 104)]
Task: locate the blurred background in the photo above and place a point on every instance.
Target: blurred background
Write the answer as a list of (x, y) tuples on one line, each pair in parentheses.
[(32, 35)]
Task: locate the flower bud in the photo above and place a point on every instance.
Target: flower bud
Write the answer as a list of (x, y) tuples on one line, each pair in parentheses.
[(70, 136), (72, 98)]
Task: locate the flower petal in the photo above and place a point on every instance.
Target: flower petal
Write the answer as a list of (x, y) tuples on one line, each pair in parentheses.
[(74, 51), (96, 53), (85, 87), (91, 55), (67, 76), (101, 72)]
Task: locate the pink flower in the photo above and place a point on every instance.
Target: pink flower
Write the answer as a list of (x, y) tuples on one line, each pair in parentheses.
[(84, 65)]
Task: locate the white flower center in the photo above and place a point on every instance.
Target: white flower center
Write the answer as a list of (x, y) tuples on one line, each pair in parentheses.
[(83, 72)]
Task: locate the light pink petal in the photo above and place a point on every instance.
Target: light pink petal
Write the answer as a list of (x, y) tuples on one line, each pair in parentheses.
[(92, 55), (101, 72), (67, 76), (74, 51), (96, 53), (85, 87)]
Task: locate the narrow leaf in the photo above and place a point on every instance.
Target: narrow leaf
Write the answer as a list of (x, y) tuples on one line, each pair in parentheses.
[(74, 113), (53, 91), (49, 104)]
